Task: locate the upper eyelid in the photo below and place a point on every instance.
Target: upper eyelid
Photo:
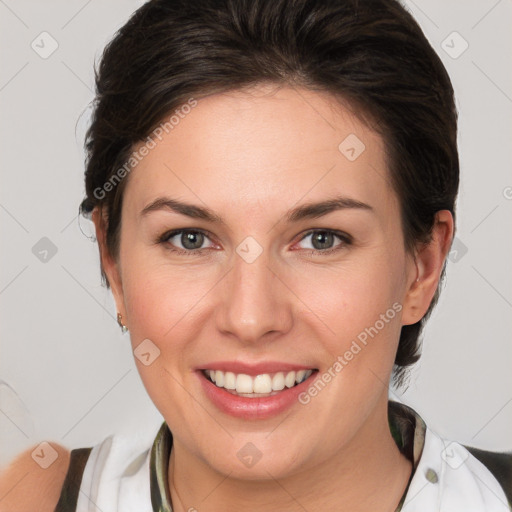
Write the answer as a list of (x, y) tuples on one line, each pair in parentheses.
[(173, 232)]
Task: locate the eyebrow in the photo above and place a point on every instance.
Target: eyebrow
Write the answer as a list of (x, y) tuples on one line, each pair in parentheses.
[(305, 211)]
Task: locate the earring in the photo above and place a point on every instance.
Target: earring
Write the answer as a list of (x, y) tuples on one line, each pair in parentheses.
[(124, 329)]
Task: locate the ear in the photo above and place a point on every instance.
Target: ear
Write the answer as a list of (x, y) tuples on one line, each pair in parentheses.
[(429, 260), (108, 263)]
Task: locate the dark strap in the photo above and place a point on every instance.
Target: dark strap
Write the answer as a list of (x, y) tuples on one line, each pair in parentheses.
[(499, 464), (71, 486)]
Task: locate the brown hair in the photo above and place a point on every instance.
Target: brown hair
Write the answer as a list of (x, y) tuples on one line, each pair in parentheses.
[(370, 53)]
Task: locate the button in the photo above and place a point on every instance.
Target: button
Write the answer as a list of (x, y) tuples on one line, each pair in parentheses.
[(431, 476)]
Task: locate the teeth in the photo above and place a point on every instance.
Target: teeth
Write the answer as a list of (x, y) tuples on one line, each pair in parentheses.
[(289, 380), (278, 381), (230, 380), (300, 376), (244, 383), (260, 384)]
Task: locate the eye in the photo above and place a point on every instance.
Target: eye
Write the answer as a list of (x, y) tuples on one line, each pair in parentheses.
[(186, 241), (191, 241), (322, 241)]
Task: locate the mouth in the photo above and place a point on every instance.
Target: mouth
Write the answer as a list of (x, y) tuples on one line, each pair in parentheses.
[(257, 386), (257, 396)]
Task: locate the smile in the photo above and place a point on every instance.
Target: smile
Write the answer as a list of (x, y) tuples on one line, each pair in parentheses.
[(265, 384), (254, 392)]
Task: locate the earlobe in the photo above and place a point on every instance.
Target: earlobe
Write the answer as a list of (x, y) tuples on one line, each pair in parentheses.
[(429, 262), (108, 263)]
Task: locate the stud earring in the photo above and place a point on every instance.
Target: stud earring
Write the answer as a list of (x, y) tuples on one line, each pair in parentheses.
[(124, 329)]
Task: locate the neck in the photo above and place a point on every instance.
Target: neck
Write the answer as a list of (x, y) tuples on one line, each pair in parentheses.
[(369, 474)]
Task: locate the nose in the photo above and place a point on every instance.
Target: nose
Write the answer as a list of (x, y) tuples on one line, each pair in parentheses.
[(255, 305)]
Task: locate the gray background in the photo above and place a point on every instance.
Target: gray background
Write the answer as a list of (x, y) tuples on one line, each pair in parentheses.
[(67, 372)]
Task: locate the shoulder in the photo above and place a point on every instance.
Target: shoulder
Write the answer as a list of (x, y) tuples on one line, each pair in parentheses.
[(34, 479), (499, 464), (449, 475), (48, 477), (456, 479)]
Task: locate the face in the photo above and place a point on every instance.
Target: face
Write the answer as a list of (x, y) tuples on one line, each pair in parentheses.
[(255, 286)]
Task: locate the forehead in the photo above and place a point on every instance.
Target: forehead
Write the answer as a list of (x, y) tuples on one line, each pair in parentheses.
[(260, 148)]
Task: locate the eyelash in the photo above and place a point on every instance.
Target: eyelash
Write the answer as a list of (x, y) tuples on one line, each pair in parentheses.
[(345, 239)]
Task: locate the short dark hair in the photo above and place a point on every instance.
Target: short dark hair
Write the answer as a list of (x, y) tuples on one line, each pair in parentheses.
[(371, 54)]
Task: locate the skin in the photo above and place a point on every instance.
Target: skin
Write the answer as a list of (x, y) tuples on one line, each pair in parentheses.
[(250, 156), (25, 485)]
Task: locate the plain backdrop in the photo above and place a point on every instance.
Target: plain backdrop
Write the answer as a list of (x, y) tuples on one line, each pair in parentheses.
[(67, 374)]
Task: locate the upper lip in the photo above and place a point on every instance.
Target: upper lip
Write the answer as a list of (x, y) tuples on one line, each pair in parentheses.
[(254, 368)]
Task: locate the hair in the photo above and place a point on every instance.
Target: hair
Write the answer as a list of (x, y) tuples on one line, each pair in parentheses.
[(369, 53)]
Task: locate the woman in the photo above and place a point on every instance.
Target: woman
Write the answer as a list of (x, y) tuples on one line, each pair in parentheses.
[(273, 187)]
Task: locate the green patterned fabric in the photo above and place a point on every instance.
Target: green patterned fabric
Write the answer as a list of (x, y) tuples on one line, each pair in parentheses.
[(160, 452), (407, 428)]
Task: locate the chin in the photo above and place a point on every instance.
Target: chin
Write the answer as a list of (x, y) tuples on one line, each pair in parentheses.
[(251, 456)]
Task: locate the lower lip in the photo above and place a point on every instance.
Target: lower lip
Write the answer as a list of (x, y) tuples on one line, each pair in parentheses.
[(253, 408)]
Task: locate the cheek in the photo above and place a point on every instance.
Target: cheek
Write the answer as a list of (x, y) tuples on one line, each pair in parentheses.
[(353, 297), (155, 293), (359, 306), (160, 301), (161, 309), (167, 304)]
